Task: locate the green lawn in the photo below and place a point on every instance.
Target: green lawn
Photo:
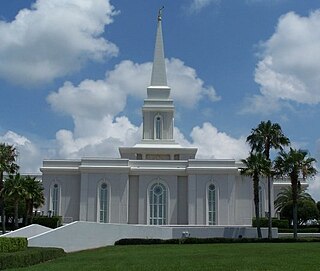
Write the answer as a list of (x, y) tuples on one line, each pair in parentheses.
[(258, 256)]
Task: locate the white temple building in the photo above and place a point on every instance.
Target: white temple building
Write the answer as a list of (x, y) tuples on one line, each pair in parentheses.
[(156, 182)]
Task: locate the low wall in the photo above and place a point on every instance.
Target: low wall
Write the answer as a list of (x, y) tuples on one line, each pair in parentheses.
[(28, 231), (82, 235), (221, 231)]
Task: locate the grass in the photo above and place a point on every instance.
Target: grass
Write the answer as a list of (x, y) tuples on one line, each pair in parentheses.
[(258, 256)]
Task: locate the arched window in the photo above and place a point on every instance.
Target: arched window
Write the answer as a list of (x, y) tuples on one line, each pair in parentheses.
[(158, 204), (103, 203), (211, 198), (158, 127), (55, 199)]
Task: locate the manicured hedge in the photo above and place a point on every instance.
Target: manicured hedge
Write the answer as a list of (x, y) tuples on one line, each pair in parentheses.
[(301, 230), (13, 244), (51, 222), (137, 241), (278, 223), (29, 257)]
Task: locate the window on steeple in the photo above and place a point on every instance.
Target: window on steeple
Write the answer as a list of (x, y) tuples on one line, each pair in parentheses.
[(158, 127)]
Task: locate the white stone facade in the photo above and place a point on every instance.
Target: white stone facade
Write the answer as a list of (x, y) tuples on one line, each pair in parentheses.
[(155, 182)]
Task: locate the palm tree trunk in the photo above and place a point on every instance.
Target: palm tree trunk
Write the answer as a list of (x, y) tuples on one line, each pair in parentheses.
[(256, 205), (258, 220), (30, 212), (294, 184), (3, 222), (269, 209), (295, 221), (16, 216)]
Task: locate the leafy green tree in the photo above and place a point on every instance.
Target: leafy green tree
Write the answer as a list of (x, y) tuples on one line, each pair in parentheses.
[(256, 165), (34, 197), (294, 164), (14, 190), (307, 208), (8, 165), (265, 137)]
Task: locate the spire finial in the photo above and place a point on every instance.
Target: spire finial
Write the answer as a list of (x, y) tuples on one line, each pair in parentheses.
[(160, 13)]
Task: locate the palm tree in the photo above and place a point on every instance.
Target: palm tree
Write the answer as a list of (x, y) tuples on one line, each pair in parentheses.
[(294, 164), (285, 197), (265, 137), (14, 190), (8, 156), (283, 204), (256, 165), (34, 196)]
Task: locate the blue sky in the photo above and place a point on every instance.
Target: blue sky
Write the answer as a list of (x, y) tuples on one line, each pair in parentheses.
[(73, 74)]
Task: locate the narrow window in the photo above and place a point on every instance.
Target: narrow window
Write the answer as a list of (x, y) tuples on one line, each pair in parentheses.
[(212, 204), (158, 127), (55, 200), (158, 204), (103, 203)]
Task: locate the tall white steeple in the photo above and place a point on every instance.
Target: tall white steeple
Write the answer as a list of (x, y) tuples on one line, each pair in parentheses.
[(158, 88), (158, 108), (158, 115), (159, 76)]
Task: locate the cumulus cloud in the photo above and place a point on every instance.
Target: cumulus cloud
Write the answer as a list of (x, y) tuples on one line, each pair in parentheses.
[(212, 143), (95, 105), (54, 38), (288, 70), (103, 139), (29, 156), (96, 99), (197, 5)]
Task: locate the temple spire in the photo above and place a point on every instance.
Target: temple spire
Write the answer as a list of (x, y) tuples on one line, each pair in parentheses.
[(158, 76)]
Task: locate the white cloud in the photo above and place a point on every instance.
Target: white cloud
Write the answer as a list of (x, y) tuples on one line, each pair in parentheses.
[(257, 104), (103, 140), (94, 105), (90, 99), (54, 38), (97, 99), (288, 70), (197, 5), (214, 144)]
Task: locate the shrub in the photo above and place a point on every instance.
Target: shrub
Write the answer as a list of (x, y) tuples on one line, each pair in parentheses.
[(137, 241), (301, 230), (51, 222), (278, 223), (140, 241), (29, 257), (13, 244)]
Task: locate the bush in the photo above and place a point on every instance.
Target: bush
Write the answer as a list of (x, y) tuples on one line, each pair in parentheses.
[(140, 241), (51, 222), (137, 241), (13, 244), (278, 223), (301, 230), (29, 257)]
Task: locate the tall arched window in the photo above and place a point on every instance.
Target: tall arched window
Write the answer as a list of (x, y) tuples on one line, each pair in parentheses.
[(158, 204), (158, 127), (211, 198), (103, 203), (55, 199)]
